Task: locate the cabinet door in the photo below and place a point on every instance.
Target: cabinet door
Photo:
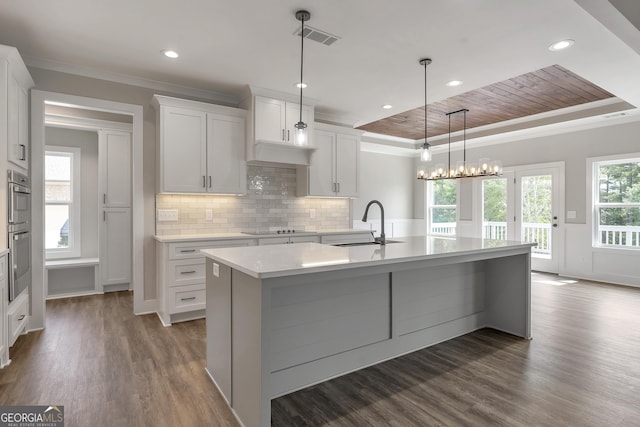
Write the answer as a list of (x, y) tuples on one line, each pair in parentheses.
[(225, 154), (18, 122), (321, 175), (347, 156), (183, 150), (115, 168), (293, 117), (269, 119), (115, 256)]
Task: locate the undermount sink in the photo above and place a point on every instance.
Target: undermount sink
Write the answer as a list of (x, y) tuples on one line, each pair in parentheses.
[(366, 243)]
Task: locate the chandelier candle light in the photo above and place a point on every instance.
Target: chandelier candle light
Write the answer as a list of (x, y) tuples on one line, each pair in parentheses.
[(484, 167), (301, 137)]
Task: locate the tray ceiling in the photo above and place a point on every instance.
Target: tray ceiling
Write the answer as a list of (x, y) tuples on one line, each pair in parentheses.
[(548, 89)]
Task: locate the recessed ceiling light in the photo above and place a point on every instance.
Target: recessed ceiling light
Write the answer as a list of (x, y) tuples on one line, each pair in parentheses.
[(170, 54), (454, 83), (387, 106), (301, 85), (562, 44)]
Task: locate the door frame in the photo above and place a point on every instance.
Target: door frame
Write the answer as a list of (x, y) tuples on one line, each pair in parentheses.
[(514, 173), (38, 99)]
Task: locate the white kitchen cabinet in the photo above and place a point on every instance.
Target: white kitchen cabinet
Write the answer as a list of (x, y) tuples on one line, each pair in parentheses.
[(275, 119), (115, 247), (334, 168), (17, 317), (15, 83), (4, 345), (201, 147), (180, 272), (18, 85), (115, 168)]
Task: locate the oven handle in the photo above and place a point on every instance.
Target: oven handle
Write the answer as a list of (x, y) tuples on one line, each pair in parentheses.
[(17, 235)]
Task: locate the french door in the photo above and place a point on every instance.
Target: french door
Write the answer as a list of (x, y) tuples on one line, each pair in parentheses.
[(524, 204)]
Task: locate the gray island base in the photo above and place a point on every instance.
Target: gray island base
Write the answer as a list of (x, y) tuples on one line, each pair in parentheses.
[(281, 318)]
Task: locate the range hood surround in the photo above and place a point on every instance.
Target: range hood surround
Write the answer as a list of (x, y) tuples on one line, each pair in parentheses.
[(287, 154)]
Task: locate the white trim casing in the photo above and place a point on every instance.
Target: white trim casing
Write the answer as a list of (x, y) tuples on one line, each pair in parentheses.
[(38, 99)]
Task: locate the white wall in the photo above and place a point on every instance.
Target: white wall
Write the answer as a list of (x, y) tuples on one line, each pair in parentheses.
[(386, 178), (88, 144), (579, 258)]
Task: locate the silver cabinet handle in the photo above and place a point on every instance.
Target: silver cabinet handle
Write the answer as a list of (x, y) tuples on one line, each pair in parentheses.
[(104, 215), (24, 152), (187, 299), (104, 199), (288, 135), (283, 134), (188, 272), (209, 181), (187, 250), (204, 181)]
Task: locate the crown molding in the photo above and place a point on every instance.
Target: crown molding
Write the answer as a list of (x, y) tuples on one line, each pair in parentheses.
[(79, 70)]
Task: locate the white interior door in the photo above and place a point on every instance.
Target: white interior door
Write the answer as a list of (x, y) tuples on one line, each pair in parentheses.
[(538, 214)]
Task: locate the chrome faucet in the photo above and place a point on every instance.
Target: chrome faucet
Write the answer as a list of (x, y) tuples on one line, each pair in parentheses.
[(381, 240)]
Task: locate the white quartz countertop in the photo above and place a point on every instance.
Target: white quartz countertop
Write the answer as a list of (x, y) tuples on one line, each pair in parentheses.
[(264, 262), (175, 238)]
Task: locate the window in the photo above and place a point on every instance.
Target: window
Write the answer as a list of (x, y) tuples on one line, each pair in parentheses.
[(442, 206), (616, 196), (62, 204)]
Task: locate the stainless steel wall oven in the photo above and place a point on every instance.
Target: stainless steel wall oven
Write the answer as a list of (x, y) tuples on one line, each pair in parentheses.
[(19, 233)]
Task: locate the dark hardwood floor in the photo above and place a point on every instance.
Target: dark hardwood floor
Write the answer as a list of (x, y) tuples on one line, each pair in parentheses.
[(582, 368)]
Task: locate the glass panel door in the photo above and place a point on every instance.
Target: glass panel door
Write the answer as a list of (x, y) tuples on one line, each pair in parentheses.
[(495, 209), (537, 218)]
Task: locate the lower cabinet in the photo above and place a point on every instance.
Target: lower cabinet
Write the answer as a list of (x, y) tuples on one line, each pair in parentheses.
[(181, 273), (4, 295), (17, 317), (181, 277), (115, 251)]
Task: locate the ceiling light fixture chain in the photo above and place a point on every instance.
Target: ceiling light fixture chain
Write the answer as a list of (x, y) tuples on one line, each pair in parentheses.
[(301, 127)]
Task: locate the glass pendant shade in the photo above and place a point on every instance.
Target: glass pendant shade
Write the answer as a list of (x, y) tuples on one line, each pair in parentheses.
[(425, 153), (301, 134)]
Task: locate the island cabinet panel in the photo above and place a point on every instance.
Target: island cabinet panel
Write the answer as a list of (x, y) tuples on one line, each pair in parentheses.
[(321, 318), (219, 328), (427, 297)]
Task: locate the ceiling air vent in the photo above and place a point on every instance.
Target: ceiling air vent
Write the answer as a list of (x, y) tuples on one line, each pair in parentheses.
[(317, 35)]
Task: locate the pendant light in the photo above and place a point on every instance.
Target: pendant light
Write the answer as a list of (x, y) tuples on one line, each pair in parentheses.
[(425, 154), (301, 137)]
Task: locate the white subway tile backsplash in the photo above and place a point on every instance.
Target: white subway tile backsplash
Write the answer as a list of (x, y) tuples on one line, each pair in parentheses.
[(269, 204)]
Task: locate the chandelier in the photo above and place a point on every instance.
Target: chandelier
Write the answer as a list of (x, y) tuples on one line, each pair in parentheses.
[(462, 169)]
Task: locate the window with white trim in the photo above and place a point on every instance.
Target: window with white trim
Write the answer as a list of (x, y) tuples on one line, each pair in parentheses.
[(62, 202), (441, 206), (616, 207)]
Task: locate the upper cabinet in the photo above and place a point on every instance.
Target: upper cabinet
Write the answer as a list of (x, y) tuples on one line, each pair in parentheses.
[(275, 119), (272, 129), (16, 81), (115, 168), (200, 147), (334, 167)]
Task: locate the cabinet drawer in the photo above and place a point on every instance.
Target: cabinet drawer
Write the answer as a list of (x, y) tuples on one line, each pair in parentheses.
[(17, 319), (304, 239), (187, 298), (187, 250), (186, 272)]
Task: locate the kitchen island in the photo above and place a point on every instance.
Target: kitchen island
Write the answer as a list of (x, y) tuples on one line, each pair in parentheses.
[(281, 318)]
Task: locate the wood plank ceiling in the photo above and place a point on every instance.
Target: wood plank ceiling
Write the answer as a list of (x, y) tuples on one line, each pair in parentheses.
[(540, 91)]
